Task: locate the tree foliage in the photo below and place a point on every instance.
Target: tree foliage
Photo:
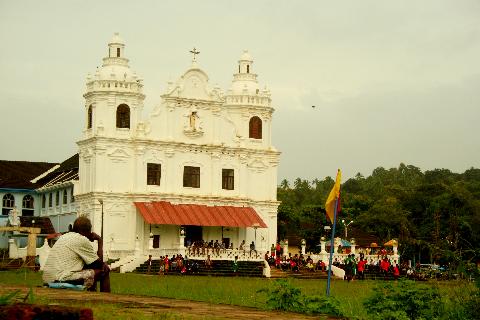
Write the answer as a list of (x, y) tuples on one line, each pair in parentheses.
[(435, 214)]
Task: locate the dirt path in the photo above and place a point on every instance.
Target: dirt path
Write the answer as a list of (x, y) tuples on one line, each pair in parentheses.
[(154, 305)]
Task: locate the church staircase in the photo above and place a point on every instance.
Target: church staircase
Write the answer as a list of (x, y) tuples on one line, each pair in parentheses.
[(220, 268)]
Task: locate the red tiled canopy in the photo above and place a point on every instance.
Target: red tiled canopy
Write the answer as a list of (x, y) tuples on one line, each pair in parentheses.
[(163, 212)]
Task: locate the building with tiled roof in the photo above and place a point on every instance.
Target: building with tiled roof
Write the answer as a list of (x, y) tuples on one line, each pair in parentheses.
[(201, 166), (17, 189), (56, 191)]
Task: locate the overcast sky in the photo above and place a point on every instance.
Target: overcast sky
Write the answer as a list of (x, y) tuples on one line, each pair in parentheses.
[(391, 81)]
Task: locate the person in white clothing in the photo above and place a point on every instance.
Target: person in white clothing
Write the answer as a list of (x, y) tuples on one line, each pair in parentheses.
[(72, 259)]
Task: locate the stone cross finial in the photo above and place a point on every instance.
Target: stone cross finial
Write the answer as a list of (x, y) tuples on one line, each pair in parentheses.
[(194, 52)]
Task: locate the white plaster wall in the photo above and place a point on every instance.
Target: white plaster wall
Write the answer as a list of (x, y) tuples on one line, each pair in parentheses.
[(113, 162)]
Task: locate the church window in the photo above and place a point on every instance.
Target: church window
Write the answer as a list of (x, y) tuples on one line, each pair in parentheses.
[(8, 202), (27, 205), (57, 198), (248, 68), (123, 116), (89, 120), (191, 177), (50, 198), (72, 198), (255, 128), (154, 173), (118, 52), (44, 201), (227, 179), (65, 197)]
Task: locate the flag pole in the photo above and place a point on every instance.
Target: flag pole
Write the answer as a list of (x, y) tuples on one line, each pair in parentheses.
[(331, 247)]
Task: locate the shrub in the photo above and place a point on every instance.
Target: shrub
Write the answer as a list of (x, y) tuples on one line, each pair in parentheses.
[(404, 300), (285, 297)]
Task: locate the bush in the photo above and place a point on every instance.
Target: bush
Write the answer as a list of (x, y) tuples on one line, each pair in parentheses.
[(404, 300), (285, 297)]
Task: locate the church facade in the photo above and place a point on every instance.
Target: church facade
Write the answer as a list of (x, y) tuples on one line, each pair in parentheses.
[(200, 166)]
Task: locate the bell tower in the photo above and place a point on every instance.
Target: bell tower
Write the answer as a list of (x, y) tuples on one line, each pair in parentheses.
[(113, 97), (250, 105)]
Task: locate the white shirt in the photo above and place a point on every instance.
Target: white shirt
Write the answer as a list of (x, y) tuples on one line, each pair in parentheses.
[(67, 256)]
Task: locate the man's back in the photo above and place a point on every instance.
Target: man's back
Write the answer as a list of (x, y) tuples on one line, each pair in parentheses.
[(69, 254)]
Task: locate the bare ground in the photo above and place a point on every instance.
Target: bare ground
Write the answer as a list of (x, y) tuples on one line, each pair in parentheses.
[(154, 305)]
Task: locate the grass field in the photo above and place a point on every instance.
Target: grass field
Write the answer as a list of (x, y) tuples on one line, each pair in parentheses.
[(240, 291)]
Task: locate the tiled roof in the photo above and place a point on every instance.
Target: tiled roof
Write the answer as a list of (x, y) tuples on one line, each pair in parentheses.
[(163, 212), (17, 174), (67, 171), (44, 223), (362, 239)]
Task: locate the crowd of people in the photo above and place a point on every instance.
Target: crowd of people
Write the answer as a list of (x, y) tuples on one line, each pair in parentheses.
[(202, 248), (355, 267)]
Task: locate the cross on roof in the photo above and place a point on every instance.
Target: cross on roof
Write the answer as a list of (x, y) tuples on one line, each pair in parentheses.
[(194, 52)]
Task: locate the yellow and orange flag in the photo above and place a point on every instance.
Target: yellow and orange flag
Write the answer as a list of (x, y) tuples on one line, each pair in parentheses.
[(332, 197)]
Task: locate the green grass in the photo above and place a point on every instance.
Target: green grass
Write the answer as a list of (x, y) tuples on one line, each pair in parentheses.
[(240, 291)]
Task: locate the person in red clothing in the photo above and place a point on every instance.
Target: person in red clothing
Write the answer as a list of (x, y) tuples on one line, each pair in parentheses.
[(396, 272), (384, 266), (361, 268), (166, 263), (277, 262)]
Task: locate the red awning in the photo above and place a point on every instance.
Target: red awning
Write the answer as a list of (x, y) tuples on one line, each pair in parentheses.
[(163, 212)]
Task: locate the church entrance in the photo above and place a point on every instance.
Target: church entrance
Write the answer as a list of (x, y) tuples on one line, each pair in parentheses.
[(192, 234)]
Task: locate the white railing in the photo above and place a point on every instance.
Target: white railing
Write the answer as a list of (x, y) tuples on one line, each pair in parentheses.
[(133, 264), (14, 252), (225, 254)]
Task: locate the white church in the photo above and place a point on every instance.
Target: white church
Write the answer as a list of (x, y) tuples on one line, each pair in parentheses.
[(201, 166)]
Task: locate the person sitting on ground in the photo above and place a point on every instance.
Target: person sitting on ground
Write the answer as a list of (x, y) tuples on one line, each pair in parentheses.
[(277, 262), (293, 265), (72, 259), (310, 267)]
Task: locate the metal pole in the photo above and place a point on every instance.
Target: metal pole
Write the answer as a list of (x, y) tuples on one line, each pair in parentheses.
[(102, 222), (331, 248)]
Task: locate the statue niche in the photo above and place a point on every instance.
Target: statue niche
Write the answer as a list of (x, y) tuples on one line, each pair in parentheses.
[(193, 125)]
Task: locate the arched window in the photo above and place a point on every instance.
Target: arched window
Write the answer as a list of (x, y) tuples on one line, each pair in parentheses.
[(44, 201), (255, 128), (8, 203), (123, 116), (65, 196), (118, 52), (57, 198), (27, 205), (248, 68), (72, 198), (89, 120)]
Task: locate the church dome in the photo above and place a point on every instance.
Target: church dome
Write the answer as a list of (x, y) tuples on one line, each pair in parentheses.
[(246, 56), (116, 39)]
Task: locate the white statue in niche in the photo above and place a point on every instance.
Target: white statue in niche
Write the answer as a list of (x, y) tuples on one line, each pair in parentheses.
[(193, 120)]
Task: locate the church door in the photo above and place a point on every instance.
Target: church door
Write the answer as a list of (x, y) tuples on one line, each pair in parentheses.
[(156, 241)]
